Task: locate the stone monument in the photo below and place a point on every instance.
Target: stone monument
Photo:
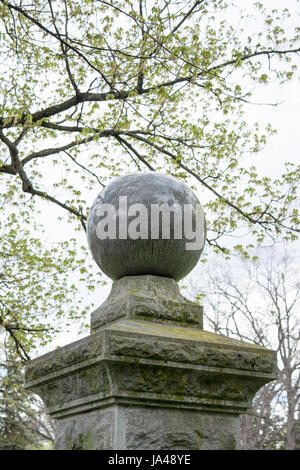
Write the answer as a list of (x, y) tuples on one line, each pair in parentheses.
[(148, 376)]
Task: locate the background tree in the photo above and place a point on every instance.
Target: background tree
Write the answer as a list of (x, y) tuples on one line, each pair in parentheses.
[(101, 87), (38, 300), (23, 423), (37, 295), (259, 302)]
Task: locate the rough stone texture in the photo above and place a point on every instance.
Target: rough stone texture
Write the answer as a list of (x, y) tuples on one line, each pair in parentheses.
[(146, 380), (91, 431), (149, 362), (162, 257), (140, 428), (172, 387), (74, 353), (157, 429), (297, 434), (153, 297), (139, 341), (65, 389)]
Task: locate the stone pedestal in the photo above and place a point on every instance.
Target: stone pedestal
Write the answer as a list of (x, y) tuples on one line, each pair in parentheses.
[(149, 377)]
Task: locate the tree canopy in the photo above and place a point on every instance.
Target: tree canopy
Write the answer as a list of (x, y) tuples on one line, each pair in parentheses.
[(101, 88), (38, 296)]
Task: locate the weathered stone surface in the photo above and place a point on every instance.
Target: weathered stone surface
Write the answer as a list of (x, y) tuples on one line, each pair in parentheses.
[(79, 384), (183, 383), (74, 353), (191, 352), (141, 362), (147, 296), (158, 429), (162, 257), (135, 340), (141, 428), (91, 431), (146, 380)]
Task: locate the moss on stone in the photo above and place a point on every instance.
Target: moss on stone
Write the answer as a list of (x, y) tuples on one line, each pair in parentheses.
[(82, 441)]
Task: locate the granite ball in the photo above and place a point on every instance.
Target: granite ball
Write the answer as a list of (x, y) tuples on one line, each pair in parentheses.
[(144, 248)]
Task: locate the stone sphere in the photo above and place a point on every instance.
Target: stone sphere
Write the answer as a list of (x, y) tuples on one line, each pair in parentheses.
[(126, 240)]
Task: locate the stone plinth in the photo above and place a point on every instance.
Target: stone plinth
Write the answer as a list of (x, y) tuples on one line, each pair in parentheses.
[(147, 297), (149, 381)]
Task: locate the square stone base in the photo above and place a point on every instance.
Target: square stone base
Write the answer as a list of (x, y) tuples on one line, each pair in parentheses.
[(137, 384), (121, 427)]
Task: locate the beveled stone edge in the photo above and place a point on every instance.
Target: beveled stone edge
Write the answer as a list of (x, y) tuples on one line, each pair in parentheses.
[(69, 348), (103, 315), (95, 327), (141, 348), (105, 337), (146, 397), (51, 377), (121, 328), (94, 402)]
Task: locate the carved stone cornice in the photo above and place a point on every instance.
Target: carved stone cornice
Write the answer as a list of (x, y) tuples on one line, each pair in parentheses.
[(142, 362)]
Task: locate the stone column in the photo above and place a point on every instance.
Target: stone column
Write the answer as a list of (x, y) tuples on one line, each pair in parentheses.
[(148, 376)]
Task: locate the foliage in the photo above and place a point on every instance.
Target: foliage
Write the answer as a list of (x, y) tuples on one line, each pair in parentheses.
[(23, 424), (92, 89), (37, 295), (37, 300)]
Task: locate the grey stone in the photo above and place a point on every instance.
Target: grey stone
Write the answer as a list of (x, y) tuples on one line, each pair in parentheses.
[(162, 257), (140, 428), (149, 297), (93, 431), (149, 378), (160, 429), (167, 387), (165, 347)]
